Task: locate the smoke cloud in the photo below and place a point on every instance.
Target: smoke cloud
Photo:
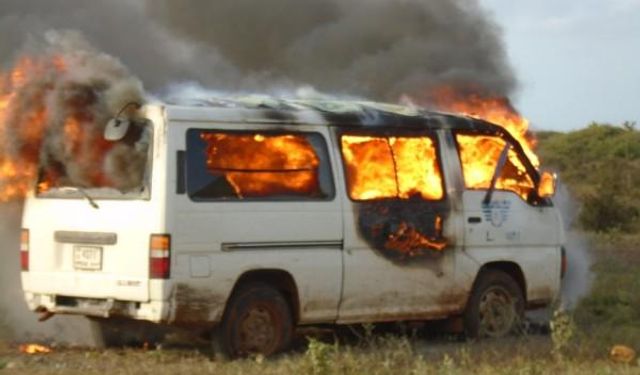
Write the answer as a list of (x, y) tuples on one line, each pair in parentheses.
[(55, 104), (16, 321), (579, 277), (379, 49)]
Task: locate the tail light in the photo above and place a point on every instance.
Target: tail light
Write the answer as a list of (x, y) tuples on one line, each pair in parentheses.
[(160, 256), (563, 263), (24, 250)]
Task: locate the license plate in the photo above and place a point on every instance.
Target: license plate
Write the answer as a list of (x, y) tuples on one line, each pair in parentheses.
[(87, 258)]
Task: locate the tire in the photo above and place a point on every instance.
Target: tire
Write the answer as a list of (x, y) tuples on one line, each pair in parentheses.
[(495, 308), (257, 320)]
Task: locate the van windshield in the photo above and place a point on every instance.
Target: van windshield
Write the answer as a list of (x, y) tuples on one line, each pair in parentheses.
[(88, 164)]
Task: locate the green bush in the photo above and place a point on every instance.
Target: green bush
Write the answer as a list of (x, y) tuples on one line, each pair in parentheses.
[(603, 212), (601, 166)]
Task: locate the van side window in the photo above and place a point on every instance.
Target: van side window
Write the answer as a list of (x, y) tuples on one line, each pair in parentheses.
[(479, 155), (391, 167), (230, 165)]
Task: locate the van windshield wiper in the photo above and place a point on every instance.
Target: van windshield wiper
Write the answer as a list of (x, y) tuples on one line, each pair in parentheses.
[(83, 193), (496, 174)]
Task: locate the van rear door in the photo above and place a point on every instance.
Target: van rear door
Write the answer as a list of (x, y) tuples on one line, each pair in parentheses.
[(89, 238), (77, 250)]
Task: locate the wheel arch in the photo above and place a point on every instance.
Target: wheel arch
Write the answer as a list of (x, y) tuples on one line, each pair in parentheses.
[(280, 279), (511, 268)]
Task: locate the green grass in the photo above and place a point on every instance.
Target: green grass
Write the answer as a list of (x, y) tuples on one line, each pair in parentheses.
[(610, 314), (388, 355)]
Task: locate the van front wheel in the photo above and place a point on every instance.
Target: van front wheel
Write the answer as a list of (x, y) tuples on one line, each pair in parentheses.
[(257, 320), (495, 308)]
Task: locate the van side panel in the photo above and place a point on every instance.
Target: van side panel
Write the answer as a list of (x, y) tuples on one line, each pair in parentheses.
[(215, 242)]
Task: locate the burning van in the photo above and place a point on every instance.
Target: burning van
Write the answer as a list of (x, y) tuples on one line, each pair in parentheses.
[(246, 218)]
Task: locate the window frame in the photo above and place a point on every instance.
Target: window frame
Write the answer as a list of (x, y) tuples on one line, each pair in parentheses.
[(533, 198), (323, 148), (386, 133), (109, 193)]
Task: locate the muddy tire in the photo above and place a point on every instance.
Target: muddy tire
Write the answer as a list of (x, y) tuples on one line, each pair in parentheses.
[(257, 320), (495, 308)]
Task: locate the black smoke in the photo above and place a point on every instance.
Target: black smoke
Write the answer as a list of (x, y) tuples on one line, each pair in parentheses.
[(379, 49)]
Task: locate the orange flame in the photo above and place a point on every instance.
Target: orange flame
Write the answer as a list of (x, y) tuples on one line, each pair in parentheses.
[(547, 187), (259, 165), (18, 173), (496, 110), (409, 241), (24, 122), (391, 167), (34, 349), (479, 154), (15, 176)]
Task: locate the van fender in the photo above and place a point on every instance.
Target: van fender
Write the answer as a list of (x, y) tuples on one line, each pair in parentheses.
[(195, 303), (536, 271), (280, 279)]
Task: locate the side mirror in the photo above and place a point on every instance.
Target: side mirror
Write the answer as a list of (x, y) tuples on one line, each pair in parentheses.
[(116, 129), (547, 185)]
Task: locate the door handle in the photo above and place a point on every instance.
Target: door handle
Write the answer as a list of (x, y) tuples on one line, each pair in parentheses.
[(474, 220)]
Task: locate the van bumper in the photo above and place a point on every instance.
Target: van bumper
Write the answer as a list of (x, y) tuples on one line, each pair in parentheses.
[(153, 311)]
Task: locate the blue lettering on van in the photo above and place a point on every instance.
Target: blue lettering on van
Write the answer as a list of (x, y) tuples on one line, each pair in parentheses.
[(496, 212)]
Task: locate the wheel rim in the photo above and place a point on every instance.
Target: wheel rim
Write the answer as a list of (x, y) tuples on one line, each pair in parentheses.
[(258, 333), (498, 312)]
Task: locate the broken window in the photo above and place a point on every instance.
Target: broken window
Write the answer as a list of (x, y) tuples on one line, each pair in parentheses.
[(114, 169), (391, 167), (264, 165), (479, 155)]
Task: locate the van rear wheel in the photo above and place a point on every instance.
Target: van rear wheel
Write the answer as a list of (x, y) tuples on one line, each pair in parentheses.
[(495, 308), (257, 320)]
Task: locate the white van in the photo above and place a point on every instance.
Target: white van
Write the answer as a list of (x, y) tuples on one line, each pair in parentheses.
[(250, 217)]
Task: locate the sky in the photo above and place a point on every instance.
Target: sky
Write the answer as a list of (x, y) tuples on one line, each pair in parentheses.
[(577, 61)]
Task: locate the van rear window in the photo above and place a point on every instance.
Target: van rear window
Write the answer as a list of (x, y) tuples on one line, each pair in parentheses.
[(257, 165), (90, 165), (391, 167)]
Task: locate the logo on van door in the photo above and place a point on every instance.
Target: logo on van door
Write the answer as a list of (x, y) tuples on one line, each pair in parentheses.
[(496, 212)]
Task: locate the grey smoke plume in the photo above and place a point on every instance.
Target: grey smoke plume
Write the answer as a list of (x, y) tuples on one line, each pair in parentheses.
[(16, 321), (56, 109), (579, 277), (375, 48), (379, 49)]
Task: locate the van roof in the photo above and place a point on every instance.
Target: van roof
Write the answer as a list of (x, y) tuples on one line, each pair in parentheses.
[(347, 113)]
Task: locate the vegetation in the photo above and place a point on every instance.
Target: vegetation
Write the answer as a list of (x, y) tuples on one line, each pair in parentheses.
[(610, 314), (601, 166), (384, 355)]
